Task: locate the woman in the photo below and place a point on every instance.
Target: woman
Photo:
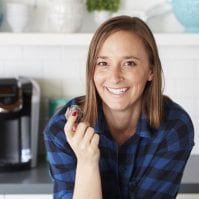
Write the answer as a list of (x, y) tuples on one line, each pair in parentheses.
[(132, 142)]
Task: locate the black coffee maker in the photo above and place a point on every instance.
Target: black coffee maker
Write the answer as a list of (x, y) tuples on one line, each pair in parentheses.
[(19, 121)]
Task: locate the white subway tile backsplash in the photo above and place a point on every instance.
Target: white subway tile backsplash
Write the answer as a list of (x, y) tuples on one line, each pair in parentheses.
[(186, 88), (31, 52), (51, 87), (75, 53), (196, 107), (73, 87), (54, 69), (169, 88), (196, 137), (179, 69), (196, 72), (23, 68), (1, 69), (7, 52), (80, 72), (60, 72), (42, 52), (64, 70), (187, 104), (179, 52)]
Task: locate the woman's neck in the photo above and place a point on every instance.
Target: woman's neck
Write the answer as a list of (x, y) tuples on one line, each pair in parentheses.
[(122, 124)]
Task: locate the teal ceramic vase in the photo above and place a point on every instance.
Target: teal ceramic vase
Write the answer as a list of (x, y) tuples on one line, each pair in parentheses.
[(1, 12), (187, 13)]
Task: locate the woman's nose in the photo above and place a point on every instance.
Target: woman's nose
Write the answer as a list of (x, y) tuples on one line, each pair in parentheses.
[(115, 75)]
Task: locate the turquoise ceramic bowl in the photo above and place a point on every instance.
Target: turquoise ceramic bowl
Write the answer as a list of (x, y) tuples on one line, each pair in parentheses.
[(1, 12), (1, 18), (187, 13)]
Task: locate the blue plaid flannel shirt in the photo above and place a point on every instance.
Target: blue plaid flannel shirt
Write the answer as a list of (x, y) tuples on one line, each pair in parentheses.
[(149, 165)]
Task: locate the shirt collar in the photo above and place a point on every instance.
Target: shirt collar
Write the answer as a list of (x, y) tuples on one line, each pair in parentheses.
[(143, 129), (101, 125)]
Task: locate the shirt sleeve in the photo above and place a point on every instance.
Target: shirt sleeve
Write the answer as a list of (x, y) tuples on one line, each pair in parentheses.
[(160, 174), (62, 160)]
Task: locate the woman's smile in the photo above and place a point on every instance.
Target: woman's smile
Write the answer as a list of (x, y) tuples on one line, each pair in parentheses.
[(117, 91)]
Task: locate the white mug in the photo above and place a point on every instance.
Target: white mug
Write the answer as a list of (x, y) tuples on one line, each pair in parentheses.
[(17, 15)]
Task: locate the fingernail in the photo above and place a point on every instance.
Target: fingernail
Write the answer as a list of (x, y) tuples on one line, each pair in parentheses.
[(74, 113)]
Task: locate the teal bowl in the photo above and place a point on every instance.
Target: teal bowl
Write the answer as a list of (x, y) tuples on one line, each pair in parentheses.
[(1, 13), (1, 18), (187, 13)]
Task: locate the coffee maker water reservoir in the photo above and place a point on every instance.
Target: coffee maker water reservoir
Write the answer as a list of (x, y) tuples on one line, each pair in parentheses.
[(19, 122)]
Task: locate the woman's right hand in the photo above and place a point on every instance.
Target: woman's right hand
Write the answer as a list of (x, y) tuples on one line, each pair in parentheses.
[(83, 140)]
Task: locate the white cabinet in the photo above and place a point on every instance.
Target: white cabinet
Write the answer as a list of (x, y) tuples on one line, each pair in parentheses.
[(49, 196), (27, 196), (188, 196)]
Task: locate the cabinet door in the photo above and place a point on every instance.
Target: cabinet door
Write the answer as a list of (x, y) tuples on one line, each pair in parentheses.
[(188, 196), (28, 196)]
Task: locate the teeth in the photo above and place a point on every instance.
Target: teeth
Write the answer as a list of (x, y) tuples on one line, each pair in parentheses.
[(117, 91)]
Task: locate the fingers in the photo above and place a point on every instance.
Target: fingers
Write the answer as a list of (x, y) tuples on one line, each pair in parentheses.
[(95, 140), (88, 136), (81, 133), (72, 128), (70, 124)]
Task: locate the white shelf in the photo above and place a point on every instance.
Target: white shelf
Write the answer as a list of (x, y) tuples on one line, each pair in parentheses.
[(48, 39), (83, 39), (177, 39)]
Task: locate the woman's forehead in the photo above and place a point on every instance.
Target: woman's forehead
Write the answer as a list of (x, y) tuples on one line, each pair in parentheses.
[(126, 42)]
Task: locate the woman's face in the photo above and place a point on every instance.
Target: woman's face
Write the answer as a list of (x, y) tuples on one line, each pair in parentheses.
[(122, 70)]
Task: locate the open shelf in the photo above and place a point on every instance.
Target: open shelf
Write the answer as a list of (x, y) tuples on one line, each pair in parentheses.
[(82, 39)]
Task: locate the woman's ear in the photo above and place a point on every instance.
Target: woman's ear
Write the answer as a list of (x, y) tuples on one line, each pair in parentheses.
[(150, 77)]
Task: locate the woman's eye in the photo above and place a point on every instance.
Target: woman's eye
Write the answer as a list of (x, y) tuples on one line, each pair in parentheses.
[(102, 63), (130, 63)]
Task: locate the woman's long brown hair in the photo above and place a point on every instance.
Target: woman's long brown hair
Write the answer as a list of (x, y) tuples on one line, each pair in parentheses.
[(152, 96)]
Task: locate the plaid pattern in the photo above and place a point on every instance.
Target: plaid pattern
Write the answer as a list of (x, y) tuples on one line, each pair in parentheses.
[(149, 165)]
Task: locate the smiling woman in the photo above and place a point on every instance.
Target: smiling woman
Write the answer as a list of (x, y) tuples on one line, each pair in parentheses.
[(120, 76), (131, 142), (123, 74)]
